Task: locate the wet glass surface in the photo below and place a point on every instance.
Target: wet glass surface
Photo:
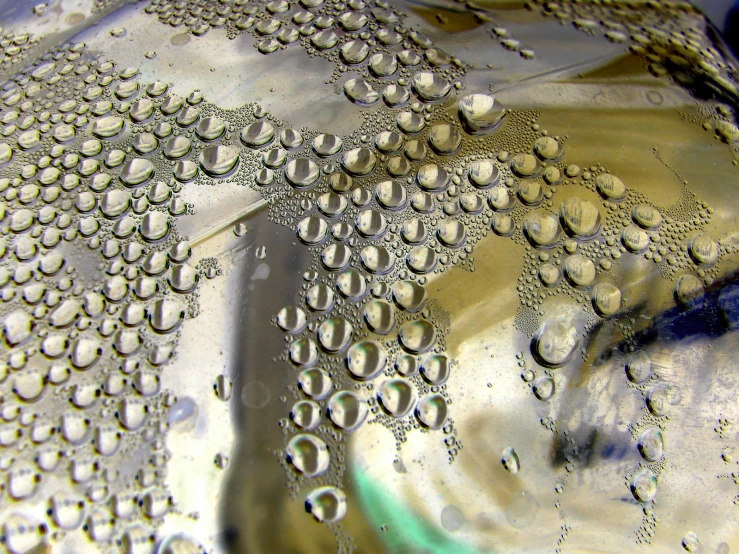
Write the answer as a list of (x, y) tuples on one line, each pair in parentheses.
[(367, 276)]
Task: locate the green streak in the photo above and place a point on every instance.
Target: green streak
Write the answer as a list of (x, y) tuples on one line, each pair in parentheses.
[(407, 532)]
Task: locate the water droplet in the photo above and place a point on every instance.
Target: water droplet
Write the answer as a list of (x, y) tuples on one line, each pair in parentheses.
[(435, 369), (106, 127), (219, 160), (319, 298), (646, 216), (179, 544), (166, 315), (328, 145), (411, 123), (547, 148), (223, 387), (579, 270), (347, 410), (398, 397), (544, 388), (480, 114), (555, 342), (303, 352), (431, 411), (17, 327), (525, 165), (354, 52), (21, 536), (210, 128), (380, 317), (351, 285), (689, 291), (326, 504), (635, 239), (302, 173), (290, 138), (377, 259), (580, 217), (444, 139), (644, 486), (510, 460), (366, 359), (530, 193), (409, 296), (306, 414), (421, 260), (451, 232), (395, 95), (312, 230), (541, 228), (370, 224), (407, 365), (359, 161), (259, 133), (182, 410), (703, 250), (334, 334), (315, 382), (638, 367), (136, 172), (432, 178), (324, 40), (429, 86), (308, 454), (383, 64), (651, 444), (690, 541), (610, 187), (391, 195), (658, 399), (335, 257), (291, 319)]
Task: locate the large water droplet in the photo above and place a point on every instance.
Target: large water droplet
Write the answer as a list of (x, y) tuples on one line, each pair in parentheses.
[(315, 382), (219, 160), (555, 342), (302, 173), (580, 217), (326, 504), (430, 86), (347, 410), (308, 454), (644, 486), (480, 114), (380, 317), (431, 411), (433, 178), (334, 334), (359, 161), (651, 444), (435, 369), (306, 414)]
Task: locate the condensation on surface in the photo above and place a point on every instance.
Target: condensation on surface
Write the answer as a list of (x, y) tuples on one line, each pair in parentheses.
[(319, 276)]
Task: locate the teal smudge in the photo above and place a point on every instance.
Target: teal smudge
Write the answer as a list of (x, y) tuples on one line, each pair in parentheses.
[(407, 532)]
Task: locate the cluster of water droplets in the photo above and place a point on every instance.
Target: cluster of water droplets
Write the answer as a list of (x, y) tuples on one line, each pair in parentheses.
[(15, 49), (374, 54), (673, 40), (95, 283), (409, 195), (671, 37)]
